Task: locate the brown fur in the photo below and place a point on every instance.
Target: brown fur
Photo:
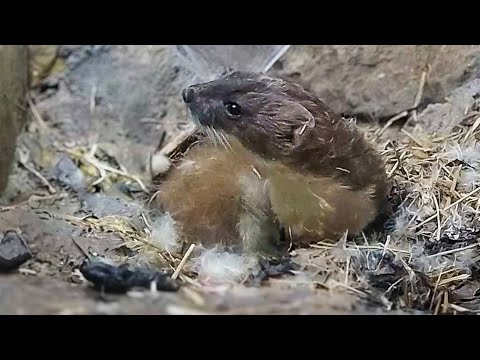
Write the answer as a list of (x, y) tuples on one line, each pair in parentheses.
[(203, 194), (317, 208)]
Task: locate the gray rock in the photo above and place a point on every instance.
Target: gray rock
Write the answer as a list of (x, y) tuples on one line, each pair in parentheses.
[(442, 118), (13, 251), (67, 173), (380, 80)]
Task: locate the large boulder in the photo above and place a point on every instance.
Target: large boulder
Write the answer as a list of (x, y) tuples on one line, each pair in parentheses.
[(379, 80)]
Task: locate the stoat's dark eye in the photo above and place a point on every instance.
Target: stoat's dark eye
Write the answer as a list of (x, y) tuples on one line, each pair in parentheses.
[(233, 109)]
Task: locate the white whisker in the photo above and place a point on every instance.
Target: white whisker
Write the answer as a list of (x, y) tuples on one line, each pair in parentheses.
[(226, 141), (211, 135), (219, 138)]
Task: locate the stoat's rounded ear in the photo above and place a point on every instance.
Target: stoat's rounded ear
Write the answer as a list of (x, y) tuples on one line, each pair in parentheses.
[(304, 118)]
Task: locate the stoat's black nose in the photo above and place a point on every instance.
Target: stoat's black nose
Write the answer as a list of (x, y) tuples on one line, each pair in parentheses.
[(187, 94)]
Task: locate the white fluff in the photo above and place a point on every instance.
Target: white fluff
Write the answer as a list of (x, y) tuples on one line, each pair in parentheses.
[(465, 259), (164, 234), (159, 164), (469, 179), (404, 221), (468, 153), (219, 266)]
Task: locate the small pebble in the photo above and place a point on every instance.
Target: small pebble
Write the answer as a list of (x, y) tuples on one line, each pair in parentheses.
[(14, 251)]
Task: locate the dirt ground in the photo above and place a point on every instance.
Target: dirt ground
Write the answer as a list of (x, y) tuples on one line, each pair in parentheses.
[(90, 113)]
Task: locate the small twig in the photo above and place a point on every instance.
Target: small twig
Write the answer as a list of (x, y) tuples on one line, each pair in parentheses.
[(36, 114), (364, 247), (336, 283), (435, 289), (144, 218), (449, 207), (182, 263), (413, 138), (472, 129), (31, 198), (439, 220), (103, 176), (51, 189), (391, 121), (153, 197), (385, 248), (454, 278), (100, 166), (426, 221), (24, 271), (93, 148), (461, 308), (462, 198), (395, 167), (347, 270), (172, 146), (194, 296), (439, 302), (190, 281), (411, 273), (101, 171), (419, 95), (342, 169), (291, 239), (445, 302), (452, 251), (394, 284), (456, 175), (421, 87)]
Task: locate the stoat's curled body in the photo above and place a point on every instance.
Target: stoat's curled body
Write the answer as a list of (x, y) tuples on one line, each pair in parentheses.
[(289, 170)]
